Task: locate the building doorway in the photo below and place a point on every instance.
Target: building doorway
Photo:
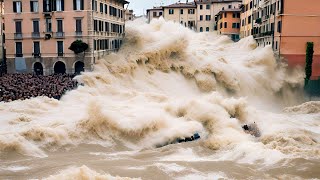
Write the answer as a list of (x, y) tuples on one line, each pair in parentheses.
[(59, 68), (37, 68), (78, 67)]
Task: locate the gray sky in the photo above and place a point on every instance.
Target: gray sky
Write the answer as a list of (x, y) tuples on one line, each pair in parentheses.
[(140, 6)]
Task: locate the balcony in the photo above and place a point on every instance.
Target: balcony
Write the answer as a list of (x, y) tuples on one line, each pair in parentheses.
[(258, 21), (36, 55), (60, 54), (19, 55), (47, 13), (263, 34), (35, 35), (59, 35), (18, 36), (78, 33)]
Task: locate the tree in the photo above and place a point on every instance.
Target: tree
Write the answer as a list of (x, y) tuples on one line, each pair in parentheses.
[(309, 59), (78, 46)]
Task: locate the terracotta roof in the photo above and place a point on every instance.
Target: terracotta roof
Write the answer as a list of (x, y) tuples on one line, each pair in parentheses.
[(155, 8), (229, 10), (181, 5)]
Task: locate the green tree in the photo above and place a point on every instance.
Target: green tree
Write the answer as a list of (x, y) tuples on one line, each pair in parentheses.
[(309, 60), (78, 46)]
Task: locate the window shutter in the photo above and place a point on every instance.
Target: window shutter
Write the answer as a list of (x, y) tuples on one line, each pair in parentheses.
[(82, 4), (31, 6), (74, 4), (62, 5), (14, 6), (44, 6)]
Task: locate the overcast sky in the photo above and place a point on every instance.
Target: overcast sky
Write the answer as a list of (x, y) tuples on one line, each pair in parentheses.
[(140, 6)]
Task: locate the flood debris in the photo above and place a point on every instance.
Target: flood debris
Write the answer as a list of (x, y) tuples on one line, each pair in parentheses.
[(194, 137), (252, 129)]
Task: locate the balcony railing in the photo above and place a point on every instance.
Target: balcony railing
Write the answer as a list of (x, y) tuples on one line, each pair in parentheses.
[(36, 55), (18, 36), (59, 34), (35, 35), (60, 54), (78, 33), (258, 21), (268, 33), (19, 55)]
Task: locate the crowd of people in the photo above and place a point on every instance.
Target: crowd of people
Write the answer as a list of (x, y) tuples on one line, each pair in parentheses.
[(25, 86)]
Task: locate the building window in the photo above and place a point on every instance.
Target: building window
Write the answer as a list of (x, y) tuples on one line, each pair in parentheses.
[(36, 26), (59, 5), (208, 17), (101, 7), (201, 17), (220, 25), (95, 25), (279, 27), (225, 25), (249, 20), (60, 48), (201, 29), (36, 29), (48, 25), (207, 29), (225, 14), (208, 6), (19, 49), (154, 14), (78, 5), (190, 11), (36, 48), (171, 11), (47, 6), (78, 25), (201, 7), (229, 6), (234, 25), (18, 27), (95, 4), (106, 9), (17, 6), (106, 25), (160, 13), (276, 45), (34, 6), (59, 25), (181, 11)]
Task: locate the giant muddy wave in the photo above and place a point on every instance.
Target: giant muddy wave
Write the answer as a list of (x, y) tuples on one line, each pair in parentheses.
[(165, 83)]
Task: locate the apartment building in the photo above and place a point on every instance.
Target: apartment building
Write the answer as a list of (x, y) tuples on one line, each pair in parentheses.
[(129, 15), (183, 13), (229, 23), (246, 18), (40, 32), (287, 25), (154, 13), (207, 9), (2, 56)]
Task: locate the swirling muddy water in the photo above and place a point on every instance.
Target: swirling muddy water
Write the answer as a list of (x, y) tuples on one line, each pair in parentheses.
[(165, 83)]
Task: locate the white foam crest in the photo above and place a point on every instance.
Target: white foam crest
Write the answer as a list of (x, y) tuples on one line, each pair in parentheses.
[(167, 82)]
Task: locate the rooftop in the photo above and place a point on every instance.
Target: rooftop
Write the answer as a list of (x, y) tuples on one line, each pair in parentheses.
[(228, 10), (215, 1), (155, 8), (181, 5)]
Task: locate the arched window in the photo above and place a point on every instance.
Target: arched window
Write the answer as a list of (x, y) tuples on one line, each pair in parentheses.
[(201, 29), (59, 68)]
